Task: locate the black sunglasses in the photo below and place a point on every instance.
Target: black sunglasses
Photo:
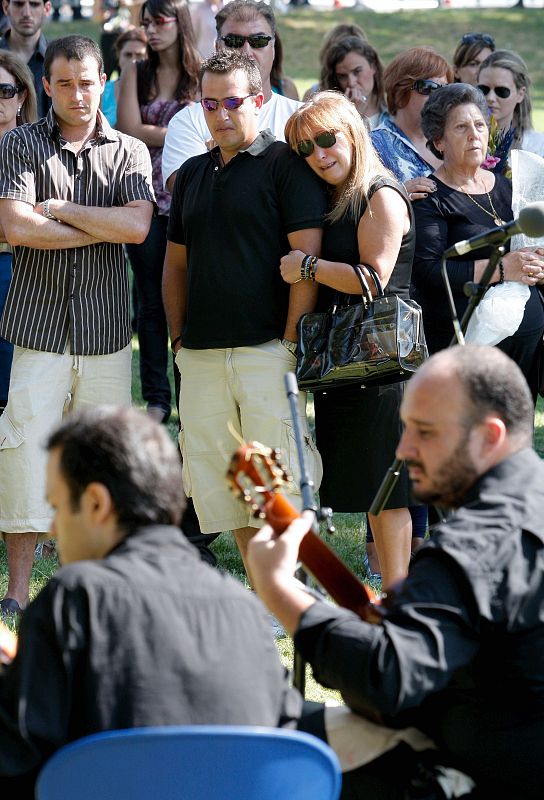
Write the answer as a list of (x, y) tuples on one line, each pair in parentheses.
[(425, 87), (501, 91), (8, 90), (235, 40), (472, 38), (229, 103), (306, 147)]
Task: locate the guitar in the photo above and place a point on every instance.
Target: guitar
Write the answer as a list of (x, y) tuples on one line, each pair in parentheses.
[(256, 475)]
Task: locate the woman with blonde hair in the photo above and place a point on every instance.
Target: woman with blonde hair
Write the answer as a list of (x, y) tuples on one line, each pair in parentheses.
[(18, 105), (370, 222), (504, 80)]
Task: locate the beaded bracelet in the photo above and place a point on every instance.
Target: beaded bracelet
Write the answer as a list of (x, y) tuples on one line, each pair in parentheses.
[(501, 271), (308, 268)]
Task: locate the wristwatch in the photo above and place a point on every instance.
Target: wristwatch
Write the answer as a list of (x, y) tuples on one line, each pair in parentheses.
[(289, 345), (46, 212)]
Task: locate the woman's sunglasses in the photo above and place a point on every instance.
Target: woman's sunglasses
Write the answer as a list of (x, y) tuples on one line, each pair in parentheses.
[(158, 22), (229, 103), (425, 87), (484, 38), (306, 147), (501, 91), (8, 90), (256, 42)]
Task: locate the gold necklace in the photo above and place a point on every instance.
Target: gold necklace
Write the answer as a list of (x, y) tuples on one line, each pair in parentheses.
[(493, 214)]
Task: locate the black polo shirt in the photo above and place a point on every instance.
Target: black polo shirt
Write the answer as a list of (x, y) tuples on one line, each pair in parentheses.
[(234, 221), (35, 65)]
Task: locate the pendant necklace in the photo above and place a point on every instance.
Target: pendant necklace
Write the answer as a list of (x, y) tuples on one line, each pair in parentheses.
[(493, 214)]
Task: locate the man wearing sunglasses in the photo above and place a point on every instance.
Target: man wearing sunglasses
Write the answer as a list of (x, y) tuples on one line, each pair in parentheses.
[(248, 27), (235, 211), (26, 40)]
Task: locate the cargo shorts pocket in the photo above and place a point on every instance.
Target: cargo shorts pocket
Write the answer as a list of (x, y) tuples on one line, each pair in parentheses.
[(311, 454), (10, 436)]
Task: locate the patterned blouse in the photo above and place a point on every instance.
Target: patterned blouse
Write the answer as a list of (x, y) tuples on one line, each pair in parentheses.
[(398, 153), (160, 112)]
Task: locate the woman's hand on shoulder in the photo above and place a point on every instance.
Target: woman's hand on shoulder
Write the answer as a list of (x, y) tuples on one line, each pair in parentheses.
[(418, 188), (290, 266)]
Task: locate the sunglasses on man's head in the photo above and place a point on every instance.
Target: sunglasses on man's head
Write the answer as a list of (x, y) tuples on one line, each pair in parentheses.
[(229, 103), (158, 22), (235, 40), (8, 90), (425, 87), (484, 38), (306, 147), (501, 91)]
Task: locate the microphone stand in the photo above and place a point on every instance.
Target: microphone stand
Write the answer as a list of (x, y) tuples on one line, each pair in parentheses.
[(475, 291), (308, 503)]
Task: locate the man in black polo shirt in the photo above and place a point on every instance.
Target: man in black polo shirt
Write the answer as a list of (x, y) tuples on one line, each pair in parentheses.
[(235, 211), (25, 38)]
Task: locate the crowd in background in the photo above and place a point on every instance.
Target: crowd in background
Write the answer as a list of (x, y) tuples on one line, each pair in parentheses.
[(422, 165)]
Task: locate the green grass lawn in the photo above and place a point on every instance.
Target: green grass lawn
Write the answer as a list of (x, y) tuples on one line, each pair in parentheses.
[(302, 31)]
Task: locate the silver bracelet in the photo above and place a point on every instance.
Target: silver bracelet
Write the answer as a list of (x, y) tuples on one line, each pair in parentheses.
[(47, 213)]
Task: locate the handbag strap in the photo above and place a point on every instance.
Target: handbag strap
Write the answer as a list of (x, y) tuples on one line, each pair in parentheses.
[(367, 294)]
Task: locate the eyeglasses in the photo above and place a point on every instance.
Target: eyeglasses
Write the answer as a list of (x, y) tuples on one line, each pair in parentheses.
[(501, 91), (425, 87), (229, 103), (8, 90), (325, 139), (158, 22), (235, 40), (484, 38)]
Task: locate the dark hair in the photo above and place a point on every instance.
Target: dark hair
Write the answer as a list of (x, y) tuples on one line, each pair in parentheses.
[(245, 11), (493, 384), (467, 51), (132, 35), (434, 116), (189, 59), (72, 48), (338, 51), (417, 63), (227, 61), (132, 456), (23, 77)]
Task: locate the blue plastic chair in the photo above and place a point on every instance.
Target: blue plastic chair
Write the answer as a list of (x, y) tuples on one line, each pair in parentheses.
[(193, 763)]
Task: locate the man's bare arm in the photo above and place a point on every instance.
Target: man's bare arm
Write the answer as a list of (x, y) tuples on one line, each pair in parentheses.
[(303, 295), (25, 227), (127, 224), (174, 288)]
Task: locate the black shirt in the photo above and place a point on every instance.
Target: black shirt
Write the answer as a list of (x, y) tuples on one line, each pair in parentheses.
[(461, 652), (444, 218), (234, 221), (147, 636)]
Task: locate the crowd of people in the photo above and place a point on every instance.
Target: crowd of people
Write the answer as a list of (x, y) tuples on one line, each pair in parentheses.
[(239, 209)]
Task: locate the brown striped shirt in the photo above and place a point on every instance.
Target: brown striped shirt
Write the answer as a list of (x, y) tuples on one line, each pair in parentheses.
[(79, 295)]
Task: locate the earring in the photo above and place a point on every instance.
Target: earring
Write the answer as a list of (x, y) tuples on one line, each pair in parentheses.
[(19, 110)]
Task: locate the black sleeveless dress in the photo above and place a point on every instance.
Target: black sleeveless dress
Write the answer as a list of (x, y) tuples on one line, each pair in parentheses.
[(357, 430)]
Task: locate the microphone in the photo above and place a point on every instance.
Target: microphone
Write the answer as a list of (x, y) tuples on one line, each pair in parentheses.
[(530, 222)]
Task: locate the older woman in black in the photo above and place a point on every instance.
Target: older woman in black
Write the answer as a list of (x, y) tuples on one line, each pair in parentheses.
[(469, 200)]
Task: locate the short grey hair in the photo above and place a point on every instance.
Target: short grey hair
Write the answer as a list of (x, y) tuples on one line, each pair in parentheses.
[(441, 102)]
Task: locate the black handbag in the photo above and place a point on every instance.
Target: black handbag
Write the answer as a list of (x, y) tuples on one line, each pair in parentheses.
[(378, 341)]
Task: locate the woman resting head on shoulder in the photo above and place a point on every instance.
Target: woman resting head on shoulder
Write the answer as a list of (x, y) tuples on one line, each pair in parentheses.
[(469, 200), (369, 223)]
